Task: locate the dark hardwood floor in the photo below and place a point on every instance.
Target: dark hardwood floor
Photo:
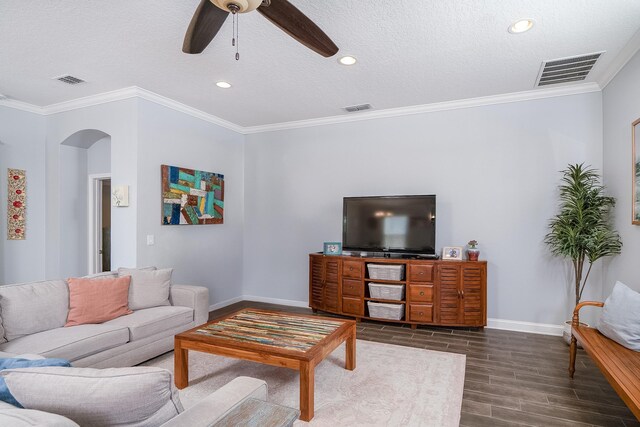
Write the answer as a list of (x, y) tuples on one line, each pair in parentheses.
[(511, 378)]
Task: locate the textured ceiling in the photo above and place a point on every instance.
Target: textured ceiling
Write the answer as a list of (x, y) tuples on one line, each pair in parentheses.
[(409, 52)]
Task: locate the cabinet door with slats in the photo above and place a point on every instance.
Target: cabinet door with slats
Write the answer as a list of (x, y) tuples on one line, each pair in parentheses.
[(472, 294), (332, 283), (316, 280), (449, 295)]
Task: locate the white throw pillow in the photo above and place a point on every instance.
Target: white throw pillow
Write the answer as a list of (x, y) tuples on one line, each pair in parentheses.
[(138, 396), (620, 318), (148, 288)]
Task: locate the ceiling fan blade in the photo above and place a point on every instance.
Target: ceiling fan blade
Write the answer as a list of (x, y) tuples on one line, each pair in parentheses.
[(297, 25), (205, 24)]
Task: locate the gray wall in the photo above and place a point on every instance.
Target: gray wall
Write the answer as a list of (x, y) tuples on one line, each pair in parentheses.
[(621, 101), (494, 170), (119, 120), (207, 255), (99, 156), (22, 135)]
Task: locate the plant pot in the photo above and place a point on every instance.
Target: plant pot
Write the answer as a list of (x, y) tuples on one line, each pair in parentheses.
[(566, 332), (473, 254)]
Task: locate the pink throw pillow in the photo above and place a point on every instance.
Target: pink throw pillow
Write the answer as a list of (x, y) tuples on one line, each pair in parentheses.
[(97, 300)]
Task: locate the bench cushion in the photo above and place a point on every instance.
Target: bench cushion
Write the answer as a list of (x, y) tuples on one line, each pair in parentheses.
[(28, 308), (620, 318), (72, 343), (150, 321)]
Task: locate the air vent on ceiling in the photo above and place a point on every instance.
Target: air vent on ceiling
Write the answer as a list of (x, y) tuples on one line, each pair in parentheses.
[(69, 79), (566, 70), (354, 108)]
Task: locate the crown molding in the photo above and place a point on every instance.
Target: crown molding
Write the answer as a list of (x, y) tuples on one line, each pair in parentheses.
[(574, 89), (625, 55), (90, 101), (22, 106), (183, 108), (136, 92)]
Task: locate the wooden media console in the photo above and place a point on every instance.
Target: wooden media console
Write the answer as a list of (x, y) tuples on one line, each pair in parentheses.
[(437, 292)]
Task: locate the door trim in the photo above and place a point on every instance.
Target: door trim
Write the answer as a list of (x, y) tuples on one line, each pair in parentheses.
[(94, 209)]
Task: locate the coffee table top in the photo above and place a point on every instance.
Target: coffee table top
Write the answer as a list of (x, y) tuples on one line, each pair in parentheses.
[(279, 332)]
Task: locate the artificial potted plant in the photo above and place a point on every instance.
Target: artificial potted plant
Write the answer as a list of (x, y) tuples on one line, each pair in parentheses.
[(581, 231)]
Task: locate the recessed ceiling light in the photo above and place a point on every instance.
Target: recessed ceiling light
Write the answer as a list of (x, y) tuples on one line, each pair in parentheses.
[(521, 26), (347, 60), (223, 85)]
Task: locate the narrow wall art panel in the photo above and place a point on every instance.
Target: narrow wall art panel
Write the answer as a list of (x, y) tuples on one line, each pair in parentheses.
[(191, 196), (17, 204)]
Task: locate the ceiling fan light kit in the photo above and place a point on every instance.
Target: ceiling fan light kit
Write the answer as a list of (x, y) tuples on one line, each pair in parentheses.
[(240, 6)]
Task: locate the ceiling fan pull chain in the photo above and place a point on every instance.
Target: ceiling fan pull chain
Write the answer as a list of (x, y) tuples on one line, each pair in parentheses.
[(238, 39), (233, 36)]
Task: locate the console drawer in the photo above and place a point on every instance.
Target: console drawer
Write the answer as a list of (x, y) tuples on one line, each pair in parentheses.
[(352, 269), (352, 306), (421, 273), (421, 312), (352, 288), (421, 293)]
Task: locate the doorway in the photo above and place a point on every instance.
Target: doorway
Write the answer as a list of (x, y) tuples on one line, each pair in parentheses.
[(99, 223)]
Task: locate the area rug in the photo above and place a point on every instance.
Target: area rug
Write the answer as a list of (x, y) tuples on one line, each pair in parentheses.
[(391, 385)]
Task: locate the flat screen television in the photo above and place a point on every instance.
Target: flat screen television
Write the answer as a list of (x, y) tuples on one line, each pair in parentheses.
[(395, 224)]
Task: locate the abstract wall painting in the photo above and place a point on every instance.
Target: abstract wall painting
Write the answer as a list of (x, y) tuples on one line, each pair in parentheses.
[(191, 197), (635, 201), (17, 204)]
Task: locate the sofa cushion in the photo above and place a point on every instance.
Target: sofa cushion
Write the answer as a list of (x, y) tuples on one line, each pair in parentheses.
[(147, 288), (138, 396), (11, 363), (28, 308), (97, 300), (16, 417), (150, 321), (70, 343)]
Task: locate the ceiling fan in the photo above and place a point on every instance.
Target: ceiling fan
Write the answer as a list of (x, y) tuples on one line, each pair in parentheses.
[(211, 14)]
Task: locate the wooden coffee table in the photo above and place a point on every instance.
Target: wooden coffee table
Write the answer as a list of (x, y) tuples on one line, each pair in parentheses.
[(292, 341)]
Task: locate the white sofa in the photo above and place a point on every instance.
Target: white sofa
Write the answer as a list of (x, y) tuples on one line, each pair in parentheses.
[(33, 315)]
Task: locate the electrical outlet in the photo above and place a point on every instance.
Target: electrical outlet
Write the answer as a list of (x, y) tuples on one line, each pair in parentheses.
[(151, 240)]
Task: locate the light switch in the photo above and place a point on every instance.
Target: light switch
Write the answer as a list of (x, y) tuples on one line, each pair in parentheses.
[(151, 240)]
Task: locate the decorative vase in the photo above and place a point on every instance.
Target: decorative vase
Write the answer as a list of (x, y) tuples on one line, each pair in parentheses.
[(473, 254)]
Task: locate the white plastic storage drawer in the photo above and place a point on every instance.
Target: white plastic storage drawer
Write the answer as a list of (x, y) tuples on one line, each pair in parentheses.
[(381, 310), (386, 271), (382, 291)]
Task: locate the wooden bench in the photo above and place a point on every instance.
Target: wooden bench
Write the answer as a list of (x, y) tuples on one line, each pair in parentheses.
[(619, 365)]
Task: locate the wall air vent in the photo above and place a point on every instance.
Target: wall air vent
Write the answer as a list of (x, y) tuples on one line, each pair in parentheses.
[(566, 70), (70, 80), (354, 108)]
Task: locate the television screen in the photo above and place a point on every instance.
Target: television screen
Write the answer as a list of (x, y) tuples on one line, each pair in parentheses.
[(404, 224)]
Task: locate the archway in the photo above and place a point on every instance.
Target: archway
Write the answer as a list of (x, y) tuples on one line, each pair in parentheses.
[(85, 225)]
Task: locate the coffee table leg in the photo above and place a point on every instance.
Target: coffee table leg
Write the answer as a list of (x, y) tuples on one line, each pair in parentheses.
[(307, 386), (351, 350), (181, 365)]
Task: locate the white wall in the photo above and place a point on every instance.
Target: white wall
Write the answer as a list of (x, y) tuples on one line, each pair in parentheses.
[(22, 136), (621, 103), (119, 120), (99, 156), (206, 255), (494, 170)]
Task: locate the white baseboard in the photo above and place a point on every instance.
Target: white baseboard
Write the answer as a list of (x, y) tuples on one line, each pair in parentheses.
[(223, 304), (507, 325), (289, 302), (519, 326)]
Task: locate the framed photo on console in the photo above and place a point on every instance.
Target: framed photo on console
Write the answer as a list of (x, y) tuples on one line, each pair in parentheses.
[(332, 248), (452, 252)]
